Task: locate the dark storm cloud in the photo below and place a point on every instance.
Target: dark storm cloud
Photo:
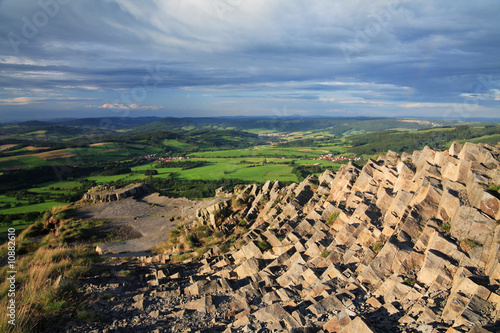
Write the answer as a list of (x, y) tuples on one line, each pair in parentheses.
[(417, 54)]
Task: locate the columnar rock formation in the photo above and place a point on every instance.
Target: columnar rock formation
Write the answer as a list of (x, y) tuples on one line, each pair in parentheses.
[(403, 244)]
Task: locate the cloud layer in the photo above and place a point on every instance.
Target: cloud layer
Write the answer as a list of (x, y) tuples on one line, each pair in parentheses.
[(235, 57)]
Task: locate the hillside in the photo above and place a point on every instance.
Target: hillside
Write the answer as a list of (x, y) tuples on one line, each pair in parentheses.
[(287, 124), (440, 138), (406, 243)]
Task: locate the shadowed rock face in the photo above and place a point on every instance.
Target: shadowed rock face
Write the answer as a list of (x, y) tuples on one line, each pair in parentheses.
[(109, 194), (402, 244)]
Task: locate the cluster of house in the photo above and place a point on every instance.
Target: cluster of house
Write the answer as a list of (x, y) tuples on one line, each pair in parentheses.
[(154, 157), (333, 158), (272, 134)]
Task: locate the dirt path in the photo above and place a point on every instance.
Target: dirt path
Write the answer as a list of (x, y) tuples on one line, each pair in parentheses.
[(151, 216)]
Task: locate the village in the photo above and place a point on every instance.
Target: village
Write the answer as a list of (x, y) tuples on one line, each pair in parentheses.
[(333, 158), (155, 158)]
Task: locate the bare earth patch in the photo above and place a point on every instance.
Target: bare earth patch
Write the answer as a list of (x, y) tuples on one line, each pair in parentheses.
[(52, 155), (110, 150), (147, 220), (100, 144), (3, 147)]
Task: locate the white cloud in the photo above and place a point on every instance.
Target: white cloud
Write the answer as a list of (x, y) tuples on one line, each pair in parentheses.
[(131, 106), (18, 101)]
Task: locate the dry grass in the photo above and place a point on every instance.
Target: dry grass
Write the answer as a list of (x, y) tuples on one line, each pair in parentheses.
[(38, 296), (376, 247), (55, 154), (3, 147), (46, 279), (99, 144), (197, 240), (332, 218), (467, 244)]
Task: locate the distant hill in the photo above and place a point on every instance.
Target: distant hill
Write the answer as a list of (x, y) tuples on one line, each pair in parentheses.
[(168, 124), (439, 138), (113, 122), (336, 126), (93, 124), (288, 124)]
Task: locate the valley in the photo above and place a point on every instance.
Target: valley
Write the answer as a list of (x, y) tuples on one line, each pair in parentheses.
[(41, 166)]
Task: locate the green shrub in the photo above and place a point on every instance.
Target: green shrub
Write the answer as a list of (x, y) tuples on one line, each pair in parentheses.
[(332, 218), (409, 281), (376, 247), (467, 244), (264, 246), (124, 273), (192, 241), (325, 254), (445, 227), (494, 187), (224, 248)]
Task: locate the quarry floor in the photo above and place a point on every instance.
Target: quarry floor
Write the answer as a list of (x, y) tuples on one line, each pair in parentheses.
[(147, 219)]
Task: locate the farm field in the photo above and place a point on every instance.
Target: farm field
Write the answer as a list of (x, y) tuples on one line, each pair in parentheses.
[(238, 164), (275, 152), (287, 157), (39, 207)]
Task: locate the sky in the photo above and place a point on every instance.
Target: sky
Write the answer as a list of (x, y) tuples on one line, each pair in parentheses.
[(189, 58)]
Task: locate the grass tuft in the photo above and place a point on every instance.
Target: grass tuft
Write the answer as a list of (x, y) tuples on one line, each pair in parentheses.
[(332, 218), (445, 227), (467, 244), (376, 247), (264, 246)]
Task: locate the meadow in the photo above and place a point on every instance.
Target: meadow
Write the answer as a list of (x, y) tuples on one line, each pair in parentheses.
[(251, 165)]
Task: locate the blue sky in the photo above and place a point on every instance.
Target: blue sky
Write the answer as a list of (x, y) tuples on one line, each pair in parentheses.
[(104, 58)]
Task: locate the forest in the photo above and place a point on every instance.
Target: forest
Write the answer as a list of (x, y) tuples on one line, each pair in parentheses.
[(379, 142)]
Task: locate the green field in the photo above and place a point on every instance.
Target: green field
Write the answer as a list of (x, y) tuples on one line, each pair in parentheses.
[(227, 155), (27, 161), (178, 145), (39, 207), (18, 226), (249, 169), (57, 187), (273, 151)]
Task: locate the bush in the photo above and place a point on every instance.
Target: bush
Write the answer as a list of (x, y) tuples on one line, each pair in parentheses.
[(467, 244), (115, 171), (445, 227), (224, 248), (409, 281), (494, 187), (264, 246), (192, 241), (237, 203), (376, 247)]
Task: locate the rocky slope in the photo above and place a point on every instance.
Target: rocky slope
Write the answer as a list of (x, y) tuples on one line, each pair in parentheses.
[(108, 194), (404, 244)]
